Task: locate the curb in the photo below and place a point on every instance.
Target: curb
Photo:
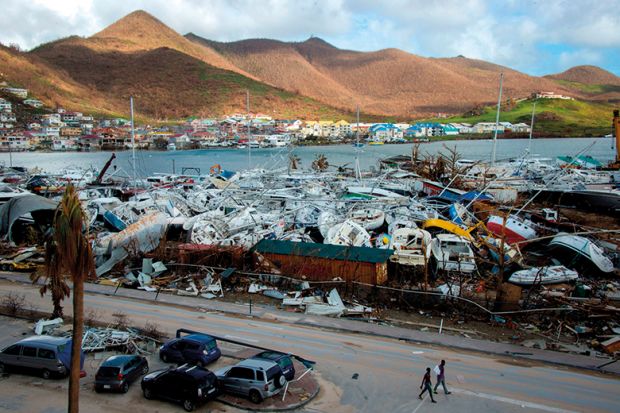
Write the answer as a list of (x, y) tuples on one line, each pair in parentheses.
[(369, 333), (277, 409)]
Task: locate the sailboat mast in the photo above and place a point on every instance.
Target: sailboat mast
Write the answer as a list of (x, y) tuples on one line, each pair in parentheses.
[(133, 142), (358, 172), (247, 105), (499, 103), (529, 143)]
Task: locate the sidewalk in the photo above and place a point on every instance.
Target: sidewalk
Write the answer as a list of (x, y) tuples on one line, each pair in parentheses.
[(352, 326)]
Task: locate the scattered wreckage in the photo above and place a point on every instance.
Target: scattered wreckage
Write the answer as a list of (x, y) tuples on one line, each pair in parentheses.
[(379, 238)]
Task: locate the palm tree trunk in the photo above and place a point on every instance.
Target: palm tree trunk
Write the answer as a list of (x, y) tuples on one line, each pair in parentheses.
[(76, 348)]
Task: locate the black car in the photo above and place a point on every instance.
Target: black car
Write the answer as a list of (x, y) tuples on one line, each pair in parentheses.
[(118, 371), (187, 384), (282, 359), (200, 349)]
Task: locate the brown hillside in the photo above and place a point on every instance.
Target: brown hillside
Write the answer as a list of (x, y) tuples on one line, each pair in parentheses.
[(589, 75), (169, 84), (139, 31), (280, 64), (389, 82), (52, 86)]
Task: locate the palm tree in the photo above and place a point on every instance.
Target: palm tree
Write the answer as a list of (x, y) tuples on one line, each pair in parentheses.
[(69, 253), (54, 282)]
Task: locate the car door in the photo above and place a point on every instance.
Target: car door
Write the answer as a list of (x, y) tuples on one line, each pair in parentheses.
[(232, 380), (191, 351), (29, 358), (10, 355), (246, 380), (176, 351), (129, 370), (162, 386)]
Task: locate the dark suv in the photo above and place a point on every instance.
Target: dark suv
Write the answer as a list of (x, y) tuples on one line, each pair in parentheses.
[(200, 349), (283, 360), (118, 371), (189, 385)]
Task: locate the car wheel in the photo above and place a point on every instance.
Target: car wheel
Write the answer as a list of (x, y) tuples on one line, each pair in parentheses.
[(125, 387), (148, 394), (200, 363), (255, 396), (280, 381), (46, 374), (145, 369), (98, 389), (164, 358), (2, 369), (188, 405)]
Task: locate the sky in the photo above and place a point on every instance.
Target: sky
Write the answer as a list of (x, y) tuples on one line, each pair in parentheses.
[(536, 37)]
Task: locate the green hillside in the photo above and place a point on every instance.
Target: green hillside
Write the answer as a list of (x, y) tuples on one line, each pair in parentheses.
[(555, 117)]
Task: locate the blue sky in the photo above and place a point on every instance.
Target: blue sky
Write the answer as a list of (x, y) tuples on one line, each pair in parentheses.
[(535, 37)]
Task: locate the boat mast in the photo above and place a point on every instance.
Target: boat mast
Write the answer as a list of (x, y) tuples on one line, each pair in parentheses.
[(529, 144), (358, 172), (499, 103), (247, 105), (133, 143)]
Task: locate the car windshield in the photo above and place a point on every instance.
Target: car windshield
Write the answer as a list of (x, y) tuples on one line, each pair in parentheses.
[(211, 345), (108, 371)]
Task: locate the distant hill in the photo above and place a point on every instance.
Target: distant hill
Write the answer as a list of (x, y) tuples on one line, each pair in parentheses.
[(388, 82), (588, 75), (169, 76), (174, 76)]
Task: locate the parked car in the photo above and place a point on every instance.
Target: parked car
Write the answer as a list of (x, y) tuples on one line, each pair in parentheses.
[(117, 372), (284, 361), (252, 378), (200, 349), (45, 355), (187, 384)]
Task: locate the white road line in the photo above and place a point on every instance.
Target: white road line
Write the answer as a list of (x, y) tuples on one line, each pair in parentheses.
[(265, 325), (419, 405), (521, 403), (251, 340)]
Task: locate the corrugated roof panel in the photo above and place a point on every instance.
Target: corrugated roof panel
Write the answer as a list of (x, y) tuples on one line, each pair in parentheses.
[(335, 252)]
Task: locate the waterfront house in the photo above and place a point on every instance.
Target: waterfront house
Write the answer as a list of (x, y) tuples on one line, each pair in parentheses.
[(15, 142), (89, 142), (51, 131), (487, 127), (65, 144), (384, 132), (342, 128), (521, 128)]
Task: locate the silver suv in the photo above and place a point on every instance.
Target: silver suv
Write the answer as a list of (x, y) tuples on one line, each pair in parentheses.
[(255, 379), (43, 354)]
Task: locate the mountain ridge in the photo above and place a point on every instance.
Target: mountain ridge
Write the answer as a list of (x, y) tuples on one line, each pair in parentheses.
[(176, 75)]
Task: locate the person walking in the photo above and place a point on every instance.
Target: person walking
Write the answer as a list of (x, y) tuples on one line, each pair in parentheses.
[(441, 377), (426, 385)]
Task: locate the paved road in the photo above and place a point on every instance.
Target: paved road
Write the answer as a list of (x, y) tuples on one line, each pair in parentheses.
[(372, 374)]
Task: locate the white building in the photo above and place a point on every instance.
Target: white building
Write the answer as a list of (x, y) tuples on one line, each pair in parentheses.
[(15, 91), (5, 106), (35, 103)]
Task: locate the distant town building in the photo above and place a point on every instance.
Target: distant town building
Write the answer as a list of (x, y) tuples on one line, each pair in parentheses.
[(550, 95)]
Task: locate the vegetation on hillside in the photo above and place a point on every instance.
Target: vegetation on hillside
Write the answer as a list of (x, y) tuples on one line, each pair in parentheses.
[(552, 117)]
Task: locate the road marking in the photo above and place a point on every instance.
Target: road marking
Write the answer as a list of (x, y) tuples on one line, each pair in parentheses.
[(521, 403), (251, 340), (419, 405), (417, 352), (265, 326)]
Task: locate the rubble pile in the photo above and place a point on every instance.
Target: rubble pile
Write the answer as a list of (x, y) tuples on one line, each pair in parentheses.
[(474, 243)]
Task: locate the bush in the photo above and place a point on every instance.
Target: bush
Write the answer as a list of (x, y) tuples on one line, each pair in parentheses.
[(14, 303)]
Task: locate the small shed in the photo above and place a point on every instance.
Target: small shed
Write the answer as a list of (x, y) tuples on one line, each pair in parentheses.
[(324, 262)]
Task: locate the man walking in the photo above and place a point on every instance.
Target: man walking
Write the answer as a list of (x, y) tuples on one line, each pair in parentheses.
[(426, 384), (441, 378)]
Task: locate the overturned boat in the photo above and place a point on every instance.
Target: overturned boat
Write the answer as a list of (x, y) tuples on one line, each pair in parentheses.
[(553, 274), (452, 253), (412, 246), (584, 248)]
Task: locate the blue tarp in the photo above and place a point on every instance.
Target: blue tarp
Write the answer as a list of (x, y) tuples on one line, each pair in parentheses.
[(471, 195), (64, 354)]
